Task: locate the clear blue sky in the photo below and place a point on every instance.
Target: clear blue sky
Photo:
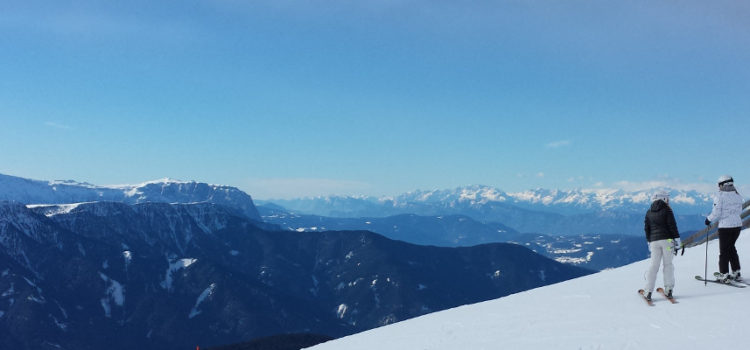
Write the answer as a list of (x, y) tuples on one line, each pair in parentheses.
[(294, 98)]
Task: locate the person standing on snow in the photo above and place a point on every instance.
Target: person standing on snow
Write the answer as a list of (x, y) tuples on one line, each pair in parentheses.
[(663, 242), (727, 209)]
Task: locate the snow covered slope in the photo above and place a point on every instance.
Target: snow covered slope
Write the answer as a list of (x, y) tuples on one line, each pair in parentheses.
[(600, 311)]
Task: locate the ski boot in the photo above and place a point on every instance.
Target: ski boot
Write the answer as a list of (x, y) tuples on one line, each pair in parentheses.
[(736, 276)]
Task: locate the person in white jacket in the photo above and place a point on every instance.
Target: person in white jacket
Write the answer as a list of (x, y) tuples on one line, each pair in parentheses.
[(727, 210)]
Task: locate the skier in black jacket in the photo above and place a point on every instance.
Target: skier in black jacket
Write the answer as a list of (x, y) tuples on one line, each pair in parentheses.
[(663, 242)]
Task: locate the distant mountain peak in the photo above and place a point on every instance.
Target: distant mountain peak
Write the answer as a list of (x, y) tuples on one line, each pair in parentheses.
[(598, 198), (601, 210)]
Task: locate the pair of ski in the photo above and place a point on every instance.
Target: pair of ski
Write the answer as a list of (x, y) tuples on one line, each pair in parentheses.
[(717, 275), (659, 290)]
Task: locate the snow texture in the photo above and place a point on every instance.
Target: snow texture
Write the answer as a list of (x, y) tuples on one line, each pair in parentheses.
[(62, 325), (128, 256), (341, 311), (174, 267), (56, 209), (114, 293), (107, 307), (600, 311), (206, 293)]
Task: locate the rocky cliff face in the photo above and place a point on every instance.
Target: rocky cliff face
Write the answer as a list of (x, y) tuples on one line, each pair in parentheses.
[(162, 191)]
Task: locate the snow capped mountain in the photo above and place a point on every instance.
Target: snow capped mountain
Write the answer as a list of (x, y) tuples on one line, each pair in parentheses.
[(535, 211), (560, 201), (600, 311), (164, 190), (691, 202)]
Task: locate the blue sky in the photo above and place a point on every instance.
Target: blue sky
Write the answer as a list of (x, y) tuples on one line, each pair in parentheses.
[(294, 98)]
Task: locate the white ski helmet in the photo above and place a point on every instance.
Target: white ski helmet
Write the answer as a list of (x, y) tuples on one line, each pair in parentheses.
[(663, 195), (725, 179)]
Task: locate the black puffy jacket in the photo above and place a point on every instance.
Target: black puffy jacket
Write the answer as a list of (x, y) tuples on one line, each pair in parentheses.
[(660, 223)]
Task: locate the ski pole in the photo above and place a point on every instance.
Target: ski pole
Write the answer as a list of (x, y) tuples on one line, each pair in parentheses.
[(705, 265)]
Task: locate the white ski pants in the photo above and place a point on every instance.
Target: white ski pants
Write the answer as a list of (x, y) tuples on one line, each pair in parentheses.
[(661, 251)]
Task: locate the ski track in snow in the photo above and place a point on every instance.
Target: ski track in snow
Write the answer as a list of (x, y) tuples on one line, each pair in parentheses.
[(600, 311)]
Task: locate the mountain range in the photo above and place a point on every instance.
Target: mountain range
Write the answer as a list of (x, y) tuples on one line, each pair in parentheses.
[(542, 211), (174, 264), (159, 275), (538, 211), (592, 251), (567, 202), (602, 229)]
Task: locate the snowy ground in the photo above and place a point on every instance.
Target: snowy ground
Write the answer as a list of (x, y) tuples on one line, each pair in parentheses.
[(600, 311)]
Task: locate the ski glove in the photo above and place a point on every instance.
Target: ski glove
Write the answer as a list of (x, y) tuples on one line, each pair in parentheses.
[(707, 222)]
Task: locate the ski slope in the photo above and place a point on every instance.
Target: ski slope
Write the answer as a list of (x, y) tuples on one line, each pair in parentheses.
[(600, 311)]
